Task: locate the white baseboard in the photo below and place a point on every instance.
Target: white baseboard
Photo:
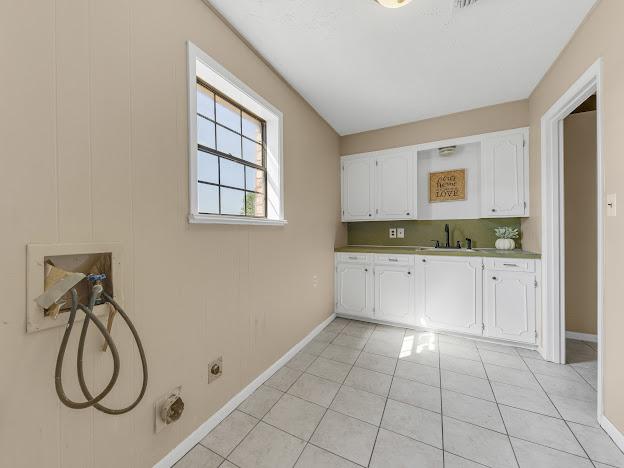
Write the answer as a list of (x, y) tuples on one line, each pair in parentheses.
[(203, 430), (582, 336), (613, 432)]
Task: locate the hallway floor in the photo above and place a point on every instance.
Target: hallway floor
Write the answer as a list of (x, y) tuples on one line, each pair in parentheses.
[(370, 395)]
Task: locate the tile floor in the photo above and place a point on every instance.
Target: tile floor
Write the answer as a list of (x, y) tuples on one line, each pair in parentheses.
[(365, 395)]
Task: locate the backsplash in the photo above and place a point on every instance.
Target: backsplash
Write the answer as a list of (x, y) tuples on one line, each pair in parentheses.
[(421, 232)]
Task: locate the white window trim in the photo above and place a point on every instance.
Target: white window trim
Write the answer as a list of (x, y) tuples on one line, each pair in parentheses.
[(202, 65)]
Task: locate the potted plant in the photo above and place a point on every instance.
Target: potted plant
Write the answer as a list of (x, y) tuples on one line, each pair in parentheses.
[(506, 236)]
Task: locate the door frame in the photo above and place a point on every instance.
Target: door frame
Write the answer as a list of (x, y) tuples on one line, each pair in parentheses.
[(552, 346)]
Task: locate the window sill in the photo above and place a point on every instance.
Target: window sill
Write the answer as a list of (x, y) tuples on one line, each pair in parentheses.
[(211, 219)]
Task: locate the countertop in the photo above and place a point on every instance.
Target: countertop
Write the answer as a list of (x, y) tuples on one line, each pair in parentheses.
[(408, 250)]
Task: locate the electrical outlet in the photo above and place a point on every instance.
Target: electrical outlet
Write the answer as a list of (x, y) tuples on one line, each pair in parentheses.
[(168, 409), (215, 369), (392, 233), (401, 233)]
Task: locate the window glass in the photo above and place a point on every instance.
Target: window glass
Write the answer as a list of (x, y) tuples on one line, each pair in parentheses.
[(205, 132), (252, 127), (232, 201), (228, 115), (254, 179), (205, 102), (254, 204), (228, 142), (207, 167), (208, 198), (232, 173), (252, 152)]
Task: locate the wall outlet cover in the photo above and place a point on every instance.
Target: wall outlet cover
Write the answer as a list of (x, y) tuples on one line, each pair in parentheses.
[(401, 233), (215, 369), (392, 233), (159, 424)]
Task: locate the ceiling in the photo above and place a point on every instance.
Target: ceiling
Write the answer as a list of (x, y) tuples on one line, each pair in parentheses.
[(363, 67)]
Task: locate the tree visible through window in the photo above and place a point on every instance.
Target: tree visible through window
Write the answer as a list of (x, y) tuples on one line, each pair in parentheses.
[(231, 157)]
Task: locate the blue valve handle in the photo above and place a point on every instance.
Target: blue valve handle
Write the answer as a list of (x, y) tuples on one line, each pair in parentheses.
[(94, 278)]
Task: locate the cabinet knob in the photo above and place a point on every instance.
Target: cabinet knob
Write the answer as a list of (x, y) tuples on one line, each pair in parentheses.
[(409, 272), (365, 269), (370, 214), (424, 260), (493, 210), (407, 214), (494, 278)]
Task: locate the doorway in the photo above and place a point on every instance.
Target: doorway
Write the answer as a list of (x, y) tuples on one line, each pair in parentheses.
[(558, 243)]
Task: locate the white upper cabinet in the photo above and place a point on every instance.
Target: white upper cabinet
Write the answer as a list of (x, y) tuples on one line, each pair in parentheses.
[(509, 305), (395, 181), (358, 189), (504, 174), (453, 295)]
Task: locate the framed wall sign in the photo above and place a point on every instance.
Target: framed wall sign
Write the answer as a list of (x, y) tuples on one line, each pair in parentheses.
[(447, 186)]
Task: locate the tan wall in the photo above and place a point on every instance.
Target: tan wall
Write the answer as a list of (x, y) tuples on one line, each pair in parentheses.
[(94, 148), (473, 122), (579, 146), (601, 35)]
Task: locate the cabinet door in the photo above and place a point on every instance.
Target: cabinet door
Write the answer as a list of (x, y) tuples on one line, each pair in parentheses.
[(354, 289), (394, 294), (394, 182), (509, 305), (358, 188), (453, 294), (504, 169)]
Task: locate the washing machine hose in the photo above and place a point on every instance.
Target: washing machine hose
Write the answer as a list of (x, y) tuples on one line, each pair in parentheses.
[(94, 401)]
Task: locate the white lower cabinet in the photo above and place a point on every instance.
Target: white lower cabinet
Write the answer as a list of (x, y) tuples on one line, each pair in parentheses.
[(491, 297), (354, 289), (510, 304), (394, 293), (450, 292)]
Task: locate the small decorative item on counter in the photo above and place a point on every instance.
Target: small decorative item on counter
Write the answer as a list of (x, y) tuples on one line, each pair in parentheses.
[(506, 236)]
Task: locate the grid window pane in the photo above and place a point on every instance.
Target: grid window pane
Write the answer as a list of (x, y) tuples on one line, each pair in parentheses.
[(205, 102), (252, 127), (228, 114), (232, 173), (205, 132), (252, 152), (232, 201), (207, 167), (254, 179), (228, 142), (254, 204), (208, 198)]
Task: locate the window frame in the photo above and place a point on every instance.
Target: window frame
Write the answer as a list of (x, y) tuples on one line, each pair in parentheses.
[(217, 79)]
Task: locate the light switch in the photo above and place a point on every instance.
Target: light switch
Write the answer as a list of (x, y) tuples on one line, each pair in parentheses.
[(611, 204), (400, 233), (393, 233)]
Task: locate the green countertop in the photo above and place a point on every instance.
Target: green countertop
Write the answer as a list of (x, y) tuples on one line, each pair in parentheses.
[(427, 251)]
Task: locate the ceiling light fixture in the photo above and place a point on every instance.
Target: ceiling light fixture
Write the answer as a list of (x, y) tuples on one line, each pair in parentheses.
[(393, 3)]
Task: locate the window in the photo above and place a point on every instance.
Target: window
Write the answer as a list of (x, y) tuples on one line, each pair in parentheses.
[(235, 149)]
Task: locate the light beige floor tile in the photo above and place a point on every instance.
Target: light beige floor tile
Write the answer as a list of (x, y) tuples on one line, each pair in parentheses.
[(314, 389), (341, 354), (464, 352), (368, 380), (524, 398), (578, 411), (500, 348), (397, 451), (579, 390), (529, 353), (228, 434), (228, 464), (415, 394), (540, 429), (295, 416), (267, 447), (377, 363), (359, 404), (345, 436), (326, 336), (418, 372), (519, 378), (315, 347), (424, 356), (537, 456), (301, 361), (590, 375), (453, 461), (462, 366), (472, 410), (410, 421), (502, 359), (468, 385), (261, 401), (598, 445), (359, 329), (199, 457), (328, 369), (550, 368), (457, 340), (475, 443), (315, 457), (385, 348), (350, 341), (283, 378), (337, 325)]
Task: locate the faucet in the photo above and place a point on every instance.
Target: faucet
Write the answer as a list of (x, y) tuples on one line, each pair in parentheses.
[(448, 236)]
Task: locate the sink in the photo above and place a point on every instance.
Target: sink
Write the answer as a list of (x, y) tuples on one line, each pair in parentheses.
[(445, 249)]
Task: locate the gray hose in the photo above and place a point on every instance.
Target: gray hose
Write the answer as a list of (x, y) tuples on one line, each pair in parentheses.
[(90, 316)]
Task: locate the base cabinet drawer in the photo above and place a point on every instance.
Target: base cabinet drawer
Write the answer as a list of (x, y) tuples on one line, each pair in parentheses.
[(509, 305)]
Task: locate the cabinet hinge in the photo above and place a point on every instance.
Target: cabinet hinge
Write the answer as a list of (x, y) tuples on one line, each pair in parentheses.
[(535, 334), (524, 143), (525, 205), (376, 163), (483, 266), (483, 327), (535, 283), (343, 167), (376, 210)]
